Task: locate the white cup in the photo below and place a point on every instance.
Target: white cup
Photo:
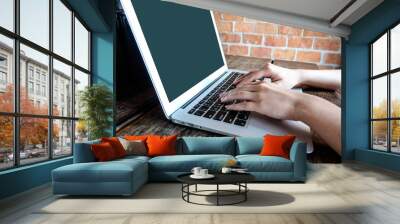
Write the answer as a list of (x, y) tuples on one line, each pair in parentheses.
[(226, 170), (196, 171), (203, 172)]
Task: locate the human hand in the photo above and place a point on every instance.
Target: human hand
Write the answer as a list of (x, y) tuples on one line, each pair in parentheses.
[(265, 98), (287, 78)]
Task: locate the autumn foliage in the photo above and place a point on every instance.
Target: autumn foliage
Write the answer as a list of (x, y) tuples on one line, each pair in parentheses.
[(380, 127), (33, 131)]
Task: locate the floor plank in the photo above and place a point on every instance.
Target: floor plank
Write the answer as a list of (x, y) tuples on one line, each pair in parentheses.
[(377, 189)]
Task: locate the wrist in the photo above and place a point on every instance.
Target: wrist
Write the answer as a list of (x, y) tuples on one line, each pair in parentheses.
[(301, 106)]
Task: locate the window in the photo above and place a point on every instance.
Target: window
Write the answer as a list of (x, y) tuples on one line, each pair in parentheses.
[(44, 125), (385, 94)]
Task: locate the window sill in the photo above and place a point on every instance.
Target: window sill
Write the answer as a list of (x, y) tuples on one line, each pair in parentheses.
[(25, 167)]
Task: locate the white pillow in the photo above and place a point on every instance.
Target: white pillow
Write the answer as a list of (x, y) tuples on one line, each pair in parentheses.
[(135, 147)]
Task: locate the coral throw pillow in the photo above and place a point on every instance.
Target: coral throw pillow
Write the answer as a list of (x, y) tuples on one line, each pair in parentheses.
[(135, 137), (277, 145), (103, 152), (116, 145), (161, 145)]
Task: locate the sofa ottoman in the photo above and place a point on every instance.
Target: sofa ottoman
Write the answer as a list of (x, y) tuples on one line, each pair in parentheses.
[(120, 177)]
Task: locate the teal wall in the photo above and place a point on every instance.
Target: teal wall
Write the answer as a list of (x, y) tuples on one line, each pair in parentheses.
[(99, 15), (356, 126)]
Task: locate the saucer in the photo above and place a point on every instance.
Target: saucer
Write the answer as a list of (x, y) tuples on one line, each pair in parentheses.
[(208, 176)]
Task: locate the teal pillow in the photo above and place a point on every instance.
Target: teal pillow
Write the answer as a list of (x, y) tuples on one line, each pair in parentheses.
[(207, 145), (249, 145)]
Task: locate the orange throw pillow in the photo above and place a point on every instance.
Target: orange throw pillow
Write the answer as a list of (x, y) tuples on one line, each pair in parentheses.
[(135, 137), (161, 145), (116, 145), (103, 152), (277, 145)]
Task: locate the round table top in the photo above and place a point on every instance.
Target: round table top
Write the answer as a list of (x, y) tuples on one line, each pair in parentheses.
[(220, 178)]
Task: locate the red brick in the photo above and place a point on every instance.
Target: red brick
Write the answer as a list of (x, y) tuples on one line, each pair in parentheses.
[(327, 44), (284, 54), (288, 30), (266, 28), (225, 48), (238, 50), (244, 27), (230, 17), (260, 52), (309, 33), (225, 26), (275, 41), (217, 16), (252, 39), (300, 42), (230, 38), (334, 59), (309, 56)]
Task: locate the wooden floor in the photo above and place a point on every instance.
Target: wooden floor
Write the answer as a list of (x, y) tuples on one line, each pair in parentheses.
[(378, 189)]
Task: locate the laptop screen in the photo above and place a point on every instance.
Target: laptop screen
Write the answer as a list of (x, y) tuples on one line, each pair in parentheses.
[(182, 41)]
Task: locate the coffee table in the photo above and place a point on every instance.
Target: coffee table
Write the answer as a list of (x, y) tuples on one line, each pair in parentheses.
[(238, 179)]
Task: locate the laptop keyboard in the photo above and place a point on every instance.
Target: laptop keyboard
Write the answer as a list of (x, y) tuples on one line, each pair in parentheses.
[(212, 108)]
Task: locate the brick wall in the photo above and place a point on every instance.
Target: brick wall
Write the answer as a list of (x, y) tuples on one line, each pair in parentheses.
[(252, 38)]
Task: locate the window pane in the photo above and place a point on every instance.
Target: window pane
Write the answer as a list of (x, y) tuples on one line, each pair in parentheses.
[(81, 81), (395, 94), (62, 30), (379, 55), (62, 138), (81, 45), (379, 135), (81, 131), (35, 21), (379, 97), (33, 139), (34, 97), (395, 47), (6, 142), (7, 14), (6, 74), (395, 136), (62, 89)]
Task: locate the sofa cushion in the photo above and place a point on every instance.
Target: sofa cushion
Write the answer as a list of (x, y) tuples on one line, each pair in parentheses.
[(257, 163), (161, 145), (207, 145), (83, 153), (249, 145), (185, 163), (104, 152), (112, 171)]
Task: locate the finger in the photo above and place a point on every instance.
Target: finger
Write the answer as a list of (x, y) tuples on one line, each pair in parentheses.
[(250, 78), (250, 87), (239, 95), (238, 80), (242, 106)]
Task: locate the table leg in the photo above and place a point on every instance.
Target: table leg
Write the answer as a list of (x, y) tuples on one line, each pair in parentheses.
[(217, 194), (196, 187), (245, 193)]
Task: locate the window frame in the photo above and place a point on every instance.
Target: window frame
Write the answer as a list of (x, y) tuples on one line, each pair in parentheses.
[(16, 114), (388, 74)]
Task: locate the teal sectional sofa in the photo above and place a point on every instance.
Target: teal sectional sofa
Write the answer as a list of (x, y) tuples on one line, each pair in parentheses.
[(125, 176)]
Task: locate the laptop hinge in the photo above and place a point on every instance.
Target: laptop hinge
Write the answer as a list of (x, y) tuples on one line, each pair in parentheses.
[(202, 91)]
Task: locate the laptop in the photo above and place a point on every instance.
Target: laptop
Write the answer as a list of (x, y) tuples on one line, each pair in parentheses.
[(182, 52)]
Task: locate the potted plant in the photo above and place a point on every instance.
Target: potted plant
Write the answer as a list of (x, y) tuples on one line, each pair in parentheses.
[(96, 110)]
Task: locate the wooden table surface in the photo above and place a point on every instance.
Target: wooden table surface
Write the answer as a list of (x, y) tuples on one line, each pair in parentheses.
[(154, 122)]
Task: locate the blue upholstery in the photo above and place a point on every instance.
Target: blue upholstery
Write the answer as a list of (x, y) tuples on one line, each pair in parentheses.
[(119, 177), (207, 145), (257, 163), (83, 152), (126, 175), (249, 145), (184, 164)]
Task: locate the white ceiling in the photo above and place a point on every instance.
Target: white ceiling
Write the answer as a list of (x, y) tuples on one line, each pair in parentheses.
[(321, 9), (317, 15)]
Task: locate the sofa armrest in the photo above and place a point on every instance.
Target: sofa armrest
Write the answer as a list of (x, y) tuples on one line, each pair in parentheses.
[(298, 155), (83, 152)]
